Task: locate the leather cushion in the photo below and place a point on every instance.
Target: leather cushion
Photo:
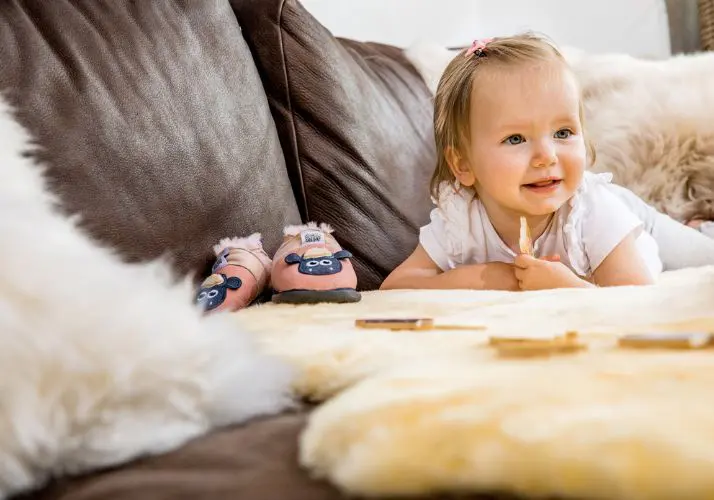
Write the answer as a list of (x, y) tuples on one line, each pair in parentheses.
[(355, 122), (152, 120)]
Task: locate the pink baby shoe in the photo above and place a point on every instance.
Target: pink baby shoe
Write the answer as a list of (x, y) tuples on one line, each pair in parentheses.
[(311, 267), (240, 274)]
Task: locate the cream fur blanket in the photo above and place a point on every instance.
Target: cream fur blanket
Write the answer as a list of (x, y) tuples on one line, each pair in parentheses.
[(414, 413), (102, 361), (649, 120)]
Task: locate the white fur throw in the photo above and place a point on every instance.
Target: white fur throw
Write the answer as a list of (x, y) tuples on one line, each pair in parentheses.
[(649, 120), (102, 361), (411, 413)]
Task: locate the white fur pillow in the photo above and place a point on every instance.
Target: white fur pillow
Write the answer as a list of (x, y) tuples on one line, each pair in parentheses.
[(102, 361), (650, 122)]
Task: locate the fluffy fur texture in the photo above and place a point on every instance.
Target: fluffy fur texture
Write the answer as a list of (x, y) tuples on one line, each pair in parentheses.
[(649, 120), (606, 429), (409, 413), (331, 355), (252, 242), (102, 361), (294, 230)]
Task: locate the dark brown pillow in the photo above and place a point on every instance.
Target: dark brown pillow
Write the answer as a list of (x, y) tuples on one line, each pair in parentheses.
[(152, 119), (355, 123)]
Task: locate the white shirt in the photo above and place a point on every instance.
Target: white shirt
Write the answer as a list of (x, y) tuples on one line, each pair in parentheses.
[(582, 232)]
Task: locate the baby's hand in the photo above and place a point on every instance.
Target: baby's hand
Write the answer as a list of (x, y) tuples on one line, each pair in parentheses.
[(545, 273)]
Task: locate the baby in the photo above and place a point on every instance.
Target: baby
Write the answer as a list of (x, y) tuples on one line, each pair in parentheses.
[(508, 124)]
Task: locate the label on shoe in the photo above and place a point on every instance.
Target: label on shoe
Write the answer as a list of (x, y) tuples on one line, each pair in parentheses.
[(310, 237)]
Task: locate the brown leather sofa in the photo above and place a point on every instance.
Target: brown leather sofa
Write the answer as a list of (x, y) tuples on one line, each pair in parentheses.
[(168, 124)]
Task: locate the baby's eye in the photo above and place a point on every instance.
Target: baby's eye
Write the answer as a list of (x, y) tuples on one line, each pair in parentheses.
[(515, 139), (563, 133)]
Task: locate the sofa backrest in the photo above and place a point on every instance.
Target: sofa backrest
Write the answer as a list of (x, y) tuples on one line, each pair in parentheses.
[(152, 120), (355, 123), (154, 126)]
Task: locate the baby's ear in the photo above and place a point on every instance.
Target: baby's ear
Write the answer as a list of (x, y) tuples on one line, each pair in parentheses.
[(460, 167)]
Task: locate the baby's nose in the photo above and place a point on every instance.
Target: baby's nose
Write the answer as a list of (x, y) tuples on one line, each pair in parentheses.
[(544, 157)]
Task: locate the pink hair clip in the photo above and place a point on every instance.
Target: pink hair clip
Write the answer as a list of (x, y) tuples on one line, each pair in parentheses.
[(478, 46)]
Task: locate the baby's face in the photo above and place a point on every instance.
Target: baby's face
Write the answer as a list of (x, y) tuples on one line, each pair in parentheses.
[(527, 152)]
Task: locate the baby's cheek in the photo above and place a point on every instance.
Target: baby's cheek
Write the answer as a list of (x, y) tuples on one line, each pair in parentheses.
[(503, 169), (574, 160), (515, 173), (578, 151), (573, 177)]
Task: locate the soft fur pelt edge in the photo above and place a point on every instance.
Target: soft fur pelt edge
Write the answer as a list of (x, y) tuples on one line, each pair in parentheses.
[(103, 361), (414, 413)]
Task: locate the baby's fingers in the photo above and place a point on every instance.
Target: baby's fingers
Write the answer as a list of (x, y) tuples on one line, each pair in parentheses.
[(519, 273), (524, 261)]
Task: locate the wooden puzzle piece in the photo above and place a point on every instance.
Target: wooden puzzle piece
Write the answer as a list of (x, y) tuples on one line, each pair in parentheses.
[(667, 340), (413, 324), (521, 347)]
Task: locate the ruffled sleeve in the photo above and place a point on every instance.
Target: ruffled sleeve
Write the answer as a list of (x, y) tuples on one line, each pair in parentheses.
[(443, 237), (598, 221)]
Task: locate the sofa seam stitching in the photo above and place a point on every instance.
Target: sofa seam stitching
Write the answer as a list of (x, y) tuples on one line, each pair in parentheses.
[(293, 129)]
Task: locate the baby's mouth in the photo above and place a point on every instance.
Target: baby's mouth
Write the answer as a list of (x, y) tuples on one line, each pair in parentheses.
[(544, 184)]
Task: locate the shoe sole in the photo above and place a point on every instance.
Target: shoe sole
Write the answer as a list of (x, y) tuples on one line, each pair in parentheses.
[(338, 296)]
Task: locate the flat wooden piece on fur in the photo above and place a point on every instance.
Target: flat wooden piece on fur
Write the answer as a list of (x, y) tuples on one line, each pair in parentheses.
[(683, 340), (524, 348)]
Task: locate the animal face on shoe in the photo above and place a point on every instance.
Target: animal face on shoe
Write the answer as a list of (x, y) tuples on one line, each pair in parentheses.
[(318, 265), (214, 290)]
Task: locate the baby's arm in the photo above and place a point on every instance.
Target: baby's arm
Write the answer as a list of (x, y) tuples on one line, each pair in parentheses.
[(420, 271), (618, 249), (679, 246), (624, 265)]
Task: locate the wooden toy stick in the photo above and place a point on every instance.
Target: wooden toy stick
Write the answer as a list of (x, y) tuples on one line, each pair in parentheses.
[(676, 340), (410, 324), (525, 242)]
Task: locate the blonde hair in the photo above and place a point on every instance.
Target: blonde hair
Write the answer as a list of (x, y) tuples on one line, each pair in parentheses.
[(452, 101)]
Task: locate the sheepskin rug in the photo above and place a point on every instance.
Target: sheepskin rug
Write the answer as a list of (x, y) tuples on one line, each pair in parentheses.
[(649, 120), (102, 361), (413, 413)]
